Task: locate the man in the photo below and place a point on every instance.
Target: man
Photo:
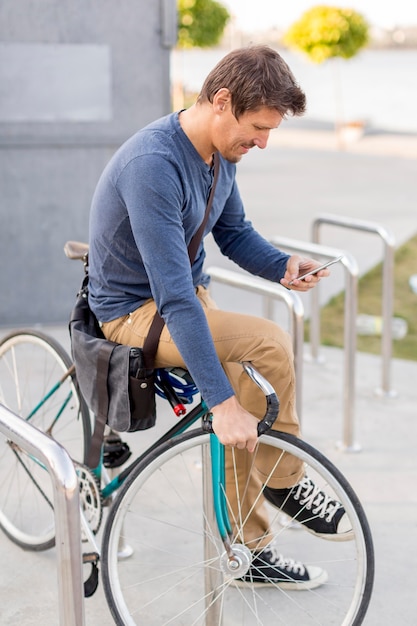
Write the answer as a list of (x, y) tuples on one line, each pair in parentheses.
[(148, 204)]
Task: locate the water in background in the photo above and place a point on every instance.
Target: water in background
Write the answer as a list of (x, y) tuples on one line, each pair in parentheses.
[(378, 87)]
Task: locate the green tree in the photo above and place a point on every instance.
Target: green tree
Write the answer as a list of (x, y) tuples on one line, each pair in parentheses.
[(200, 23), (326, 32)]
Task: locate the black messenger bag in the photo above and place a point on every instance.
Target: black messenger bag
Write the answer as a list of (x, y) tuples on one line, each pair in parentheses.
[(112, 377)]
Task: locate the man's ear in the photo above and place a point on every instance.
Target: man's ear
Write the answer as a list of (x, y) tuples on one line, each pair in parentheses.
[(222, 100)]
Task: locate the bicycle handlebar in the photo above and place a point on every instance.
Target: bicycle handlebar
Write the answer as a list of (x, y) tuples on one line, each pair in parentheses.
[(272, 402)]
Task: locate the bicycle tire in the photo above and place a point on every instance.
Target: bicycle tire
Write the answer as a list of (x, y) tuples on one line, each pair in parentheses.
[(158, 512), (31, 363)]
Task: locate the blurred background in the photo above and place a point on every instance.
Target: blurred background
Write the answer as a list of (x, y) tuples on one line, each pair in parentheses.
[(78, 79)]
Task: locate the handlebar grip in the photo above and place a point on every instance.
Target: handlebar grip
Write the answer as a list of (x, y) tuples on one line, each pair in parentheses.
[(272, 401), (272, 410)]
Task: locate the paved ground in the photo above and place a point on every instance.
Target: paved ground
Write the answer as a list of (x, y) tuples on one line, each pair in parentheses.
[(305, 174)]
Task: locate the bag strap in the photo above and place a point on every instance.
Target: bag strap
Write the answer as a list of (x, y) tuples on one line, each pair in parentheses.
[(151, 342), (103, 363), (195, 241)]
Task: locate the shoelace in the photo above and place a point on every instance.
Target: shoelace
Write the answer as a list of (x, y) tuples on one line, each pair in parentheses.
[(290, 565), (310, 496)]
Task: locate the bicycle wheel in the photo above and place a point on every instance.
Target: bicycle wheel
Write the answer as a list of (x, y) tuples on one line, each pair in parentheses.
[(177, 573), (31, 364)]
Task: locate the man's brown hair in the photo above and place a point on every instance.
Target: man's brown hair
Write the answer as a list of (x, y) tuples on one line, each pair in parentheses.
[(256, 76)]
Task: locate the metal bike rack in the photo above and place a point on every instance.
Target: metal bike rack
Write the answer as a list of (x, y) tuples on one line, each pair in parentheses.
[(275, 292), (387, 283), (66, 508), (351, 298)]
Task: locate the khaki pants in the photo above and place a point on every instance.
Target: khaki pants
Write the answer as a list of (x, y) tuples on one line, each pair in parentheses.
[(237, 338)]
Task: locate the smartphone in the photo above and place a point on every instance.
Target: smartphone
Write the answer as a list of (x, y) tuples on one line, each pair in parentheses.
[(317, 269)]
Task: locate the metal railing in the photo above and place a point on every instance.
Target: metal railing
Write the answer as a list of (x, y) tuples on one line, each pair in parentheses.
[(387, 282), (66, 510), (273, 291), (351, 288)]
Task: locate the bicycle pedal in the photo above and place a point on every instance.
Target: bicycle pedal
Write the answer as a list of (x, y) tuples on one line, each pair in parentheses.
[(115, 452), (91, 584)]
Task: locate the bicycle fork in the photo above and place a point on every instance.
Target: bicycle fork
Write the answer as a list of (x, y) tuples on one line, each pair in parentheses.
[(236, 559), (217, 462)]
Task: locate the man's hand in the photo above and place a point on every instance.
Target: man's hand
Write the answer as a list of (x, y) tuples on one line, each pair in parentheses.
[(297, 266), (234, 426)]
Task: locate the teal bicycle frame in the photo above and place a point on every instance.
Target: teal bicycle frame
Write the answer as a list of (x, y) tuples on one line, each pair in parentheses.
[(217, 450)]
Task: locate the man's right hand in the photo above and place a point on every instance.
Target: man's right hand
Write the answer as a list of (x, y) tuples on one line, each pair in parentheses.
[(234, 426)]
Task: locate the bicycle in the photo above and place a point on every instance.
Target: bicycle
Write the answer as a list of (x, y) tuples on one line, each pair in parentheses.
[(172, 550)]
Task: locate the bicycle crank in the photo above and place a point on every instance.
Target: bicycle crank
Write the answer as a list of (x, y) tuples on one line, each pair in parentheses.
[(90, 498)]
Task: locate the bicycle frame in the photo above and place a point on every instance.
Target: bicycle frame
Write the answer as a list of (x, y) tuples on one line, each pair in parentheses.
[(196, 414)]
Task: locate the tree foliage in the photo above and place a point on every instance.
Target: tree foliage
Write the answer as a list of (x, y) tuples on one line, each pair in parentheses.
[(324, 32), (200, 23)]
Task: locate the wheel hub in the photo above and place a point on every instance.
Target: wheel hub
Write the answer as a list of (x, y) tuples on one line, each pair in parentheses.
[(236, 566)]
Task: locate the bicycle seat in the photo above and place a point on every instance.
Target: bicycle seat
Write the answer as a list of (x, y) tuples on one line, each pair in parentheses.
[(76, 250)]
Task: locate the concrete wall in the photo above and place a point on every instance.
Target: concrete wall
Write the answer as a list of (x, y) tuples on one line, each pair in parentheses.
[(76, 79)]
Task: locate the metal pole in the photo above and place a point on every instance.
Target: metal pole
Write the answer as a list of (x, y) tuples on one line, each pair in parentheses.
[(276, 292), (349, 397), (351, 274), (315, 251), (66, 509), (212, 576), (387, 315), (387, 283)]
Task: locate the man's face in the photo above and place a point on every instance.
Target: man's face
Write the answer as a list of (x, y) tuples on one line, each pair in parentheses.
[(233, 138)]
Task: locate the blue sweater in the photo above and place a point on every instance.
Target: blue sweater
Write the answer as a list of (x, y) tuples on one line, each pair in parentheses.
[(149, 202)]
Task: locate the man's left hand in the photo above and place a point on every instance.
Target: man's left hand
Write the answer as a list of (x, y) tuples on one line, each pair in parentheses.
[(297, 266)]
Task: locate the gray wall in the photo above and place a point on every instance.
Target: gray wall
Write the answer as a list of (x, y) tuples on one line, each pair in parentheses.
[(76, 79)]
